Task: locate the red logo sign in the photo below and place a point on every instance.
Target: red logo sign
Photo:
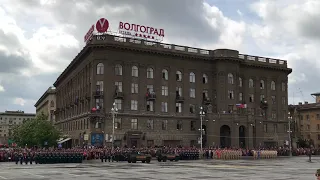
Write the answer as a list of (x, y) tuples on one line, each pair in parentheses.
[(102, 25)]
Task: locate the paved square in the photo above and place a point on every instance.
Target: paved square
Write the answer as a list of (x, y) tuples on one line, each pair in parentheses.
[(277, 169)]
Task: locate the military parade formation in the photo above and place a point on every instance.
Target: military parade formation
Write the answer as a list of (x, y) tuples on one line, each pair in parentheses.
[(78, 155)]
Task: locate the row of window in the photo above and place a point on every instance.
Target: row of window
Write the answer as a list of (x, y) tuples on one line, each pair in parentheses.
[(192, 76), (274, 128), (307, 117)]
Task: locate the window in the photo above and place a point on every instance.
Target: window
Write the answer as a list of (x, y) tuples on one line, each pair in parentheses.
[(192, 108), (134, 88), (99, 103), (307, 117), (150, 73), (230, 78), (193, 126), (283, 100), (178, 91), (240, 82), (205, 95), (51, 105), (118, 70), (178, 76), (262, 97), (251, 85), (251, 98), (100, 68), (283, 86), (275, 128), (318, 116), (240, 97), (265, 128), (205, 79), (230, 94), (134, 123), (308, 127), (117, 123), (179, 125), (134, 71), (150, 88), (164, 106), (261, 84), (178, 107), (285, 126), (192, 93), (273, 85), (164, 90), (192, 77), (149, 105), (118, 104), (165, 75), (318, 126), (273, 99), (118, 86), (318, 136), (150, 124), (273, 115), (134, 105), (99, 85), (164, 124)]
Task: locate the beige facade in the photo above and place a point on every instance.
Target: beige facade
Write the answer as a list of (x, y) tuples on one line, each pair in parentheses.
[(8, 119), (47, 104), (307, 119)]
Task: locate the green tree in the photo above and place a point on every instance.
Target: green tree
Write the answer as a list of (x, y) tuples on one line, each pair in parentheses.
[(36, 132)]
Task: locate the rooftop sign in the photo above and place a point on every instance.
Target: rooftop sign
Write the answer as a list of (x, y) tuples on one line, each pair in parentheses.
[(126, 29)]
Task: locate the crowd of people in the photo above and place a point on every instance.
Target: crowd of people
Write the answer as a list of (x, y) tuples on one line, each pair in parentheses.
[(59, 155)]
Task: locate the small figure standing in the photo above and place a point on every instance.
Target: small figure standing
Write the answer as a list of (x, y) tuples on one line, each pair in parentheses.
[(318, 174)]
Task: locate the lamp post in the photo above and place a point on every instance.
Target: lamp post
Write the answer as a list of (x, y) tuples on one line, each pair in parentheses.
[(114, 111), (289, 133), (202, 115)]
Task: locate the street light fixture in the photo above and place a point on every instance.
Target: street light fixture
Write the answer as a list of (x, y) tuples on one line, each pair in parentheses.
[(289, 132), (202, 115), (114, 111)]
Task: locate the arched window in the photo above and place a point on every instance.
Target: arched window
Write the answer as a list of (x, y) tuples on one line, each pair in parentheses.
[(192, 77), (261, 84), (134, 71), (273, 85), (150, 73), (240, 82), (230, 78), (51, 104), (205, 79), (118, 70), (251, 83), (178, 76), (165, 74), (100, 68)]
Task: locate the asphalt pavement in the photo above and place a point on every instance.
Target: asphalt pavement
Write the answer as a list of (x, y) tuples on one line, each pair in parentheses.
[(270, 169)]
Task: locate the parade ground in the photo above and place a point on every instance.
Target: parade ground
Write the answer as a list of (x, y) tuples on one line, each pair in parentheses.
[(280, 169)]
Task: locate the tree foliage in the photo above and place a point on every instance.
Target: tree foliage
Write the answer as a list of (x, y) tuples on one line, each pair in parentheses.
[(35, 132)]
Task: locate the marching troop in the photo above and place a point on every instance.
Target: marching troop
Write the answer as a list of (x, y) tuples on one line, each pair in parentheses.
[(78, 155)]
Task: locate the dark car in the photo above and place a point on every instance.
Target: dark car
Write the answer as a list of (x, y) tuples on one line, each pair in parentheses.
[(133, 157)]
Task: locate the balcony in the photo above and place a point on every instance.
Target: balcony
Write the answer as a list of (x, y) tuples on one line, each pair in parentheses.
[(97, 112), (264, 104), (151, 96), (206, 101), (97, 94), (118, 95), (179, 99)]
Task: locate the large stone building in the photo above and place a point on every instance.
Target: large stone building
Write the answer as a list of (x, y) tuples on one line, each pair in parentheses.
[(307, 119), (8, 119), (159, 88), (47, 104)]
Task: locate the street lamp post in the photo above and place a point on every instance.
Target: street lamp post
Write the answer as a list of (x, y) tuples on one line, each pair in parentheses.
[(114, 111), (289, 133), (202, 115)]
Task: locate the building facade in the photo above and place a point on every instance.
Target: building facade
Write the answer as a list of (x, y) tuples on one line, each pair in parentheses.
[(47, 104), (307, 117), (9, 119), (158, 90)]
